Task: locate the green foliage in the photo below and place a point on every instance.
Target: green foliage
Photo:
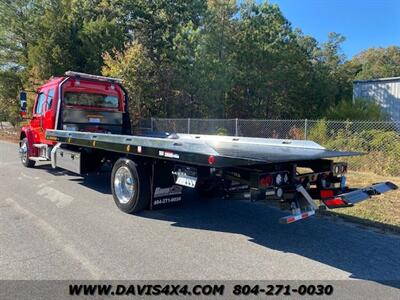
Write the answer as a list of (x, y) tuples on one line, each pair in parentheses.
[(319, 132), (137, 70), (74, 35), (222, 131), (360, 109), (377, 63), (215, 58), (10, 84), (382, 146), (189, 80)]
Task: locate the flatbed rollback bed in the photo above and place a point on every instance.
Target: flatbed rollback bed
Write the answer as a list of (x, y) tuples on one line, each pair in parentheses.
[(151, 171)]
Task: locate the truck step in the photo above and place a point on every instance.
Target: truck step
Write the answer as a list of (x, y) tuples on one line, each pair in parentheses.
[(38, 158), (40, 145)]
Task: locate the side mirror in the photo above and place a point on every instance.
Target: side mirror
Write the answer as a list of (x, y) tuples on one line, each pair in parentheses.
[(23, 103)]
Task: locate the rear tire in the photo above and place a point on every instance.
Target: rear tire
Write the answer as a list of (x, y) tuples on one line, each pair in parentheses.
[(130, 185), (24, 151)]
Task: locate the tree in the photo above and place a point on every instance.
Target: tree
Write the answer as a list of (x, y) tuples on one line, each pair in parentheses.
[(272, 70), (42, 38), (136, 68), (10, 84), (74, 35), (191, 82), (377, 63), (217, 55), (331, 51), (16, 32), (155, 25), (331, 64)]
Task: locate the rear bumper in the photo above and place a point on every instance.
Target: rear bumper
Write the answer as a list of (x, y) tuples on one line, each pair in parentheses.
[(358, 195)]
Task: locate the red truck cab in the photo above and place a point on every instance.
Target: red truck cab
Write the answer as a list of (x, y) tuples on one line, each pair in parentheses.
[(75, 102)]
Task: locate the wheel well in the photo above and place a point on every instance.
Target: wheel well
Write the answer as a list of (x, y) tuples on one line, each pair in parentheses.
[(22, 136)]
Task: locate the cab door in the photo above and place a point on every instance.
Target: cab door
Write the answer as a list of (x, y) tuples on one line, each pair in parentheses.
[(48, 112), (38, 117)]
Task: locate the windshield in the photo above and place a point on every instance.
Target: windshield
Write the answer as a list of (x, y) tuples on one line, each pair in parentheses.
[(93, 100)]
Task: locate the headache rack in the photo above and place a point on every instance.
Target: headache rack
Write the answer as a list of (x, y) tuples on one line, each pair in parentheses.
[(73, 74)]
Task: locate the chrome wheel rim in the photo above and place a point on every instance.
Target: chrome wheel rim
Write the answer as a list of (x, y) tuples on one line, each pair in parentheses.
[(24, 152), (124, 185)]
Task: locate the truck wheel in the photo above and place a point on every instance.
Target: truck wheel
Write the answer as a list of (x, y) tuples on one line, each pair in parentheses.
[(130, 185), (24, 152)]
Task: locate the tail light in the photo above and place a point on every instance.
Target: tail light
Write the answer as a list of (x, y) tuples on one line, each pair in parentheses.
[(324, 194), (211, 160), (265, 181), (335, 202), (275, 179)]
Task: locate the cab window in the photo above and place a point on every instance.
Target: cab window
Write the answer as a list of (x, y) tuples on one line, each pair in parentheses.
[(91, 100), (50, 98), (40, 102)]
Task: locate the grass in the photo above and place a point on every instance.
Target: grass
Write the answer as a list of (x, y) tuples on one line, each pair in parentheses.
[(383, 209)]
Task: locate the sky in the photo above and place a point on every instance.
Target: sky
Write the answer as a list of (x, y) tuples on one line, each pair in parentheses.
[(364, 23)]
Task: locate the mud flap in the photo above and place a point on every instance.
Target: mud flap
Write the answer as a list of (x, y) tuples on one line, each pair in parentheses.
[(164, 192), (358, 195)]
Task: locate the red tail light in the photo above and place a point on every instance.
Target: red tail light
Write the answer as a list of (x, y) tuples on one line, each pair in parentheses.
[(326, 194), (335, 202), (266, 181), (211, 160)]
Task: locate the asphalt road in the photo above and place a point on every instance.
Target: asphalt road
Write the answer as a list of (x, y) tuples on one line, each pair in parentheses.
[(54, 225)]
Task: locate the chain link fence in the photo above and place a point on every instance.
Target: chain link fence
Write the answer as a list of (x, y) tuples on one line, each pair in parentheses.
[(381, 140)]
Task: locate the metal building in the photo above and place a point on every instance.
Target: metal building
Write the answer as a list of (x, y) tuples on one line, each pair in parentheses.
[(384, 91)]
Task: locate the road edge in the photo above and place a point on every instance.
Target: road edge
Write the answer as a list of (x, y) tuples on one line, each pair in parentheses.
[(360, 221)]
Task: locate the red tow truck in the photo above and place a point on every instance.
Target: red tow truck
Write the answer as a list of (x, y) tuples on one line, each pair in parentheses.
[(81, 122)]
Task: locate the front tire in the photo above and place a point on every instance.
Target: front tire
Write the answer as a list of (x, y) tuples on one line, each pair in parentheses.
[(24, 152), (130, 185)]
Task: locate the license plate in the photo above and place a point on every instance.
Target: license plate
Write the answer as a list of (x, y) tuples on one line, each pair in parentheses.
[(186, 180), (94, 120)]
